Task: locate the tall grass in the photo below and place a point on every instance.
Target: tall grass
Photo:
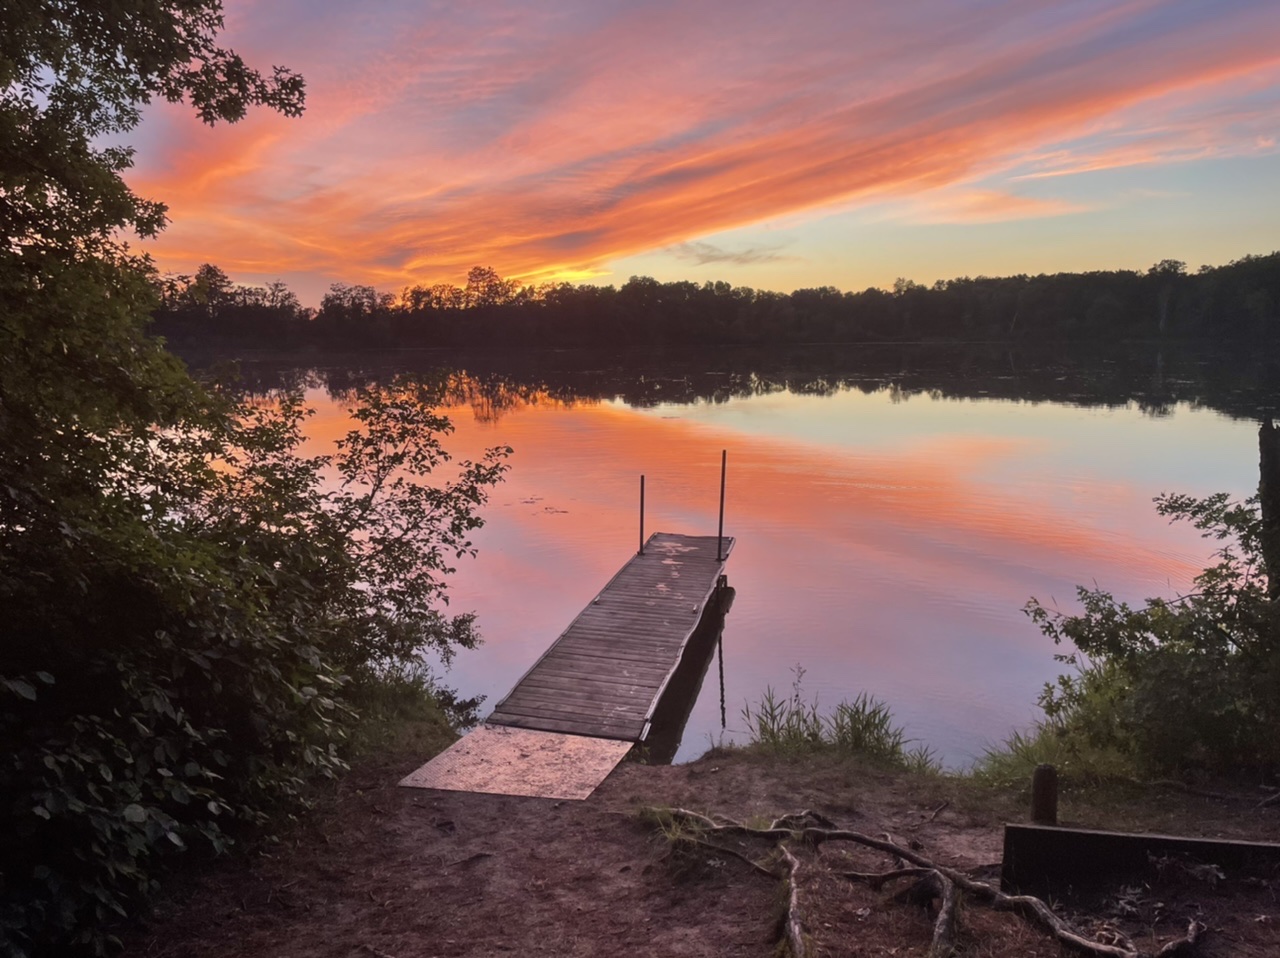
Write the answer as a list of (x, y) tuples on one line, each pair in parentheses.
[(1078, 761), (863, 727), (402, 705)]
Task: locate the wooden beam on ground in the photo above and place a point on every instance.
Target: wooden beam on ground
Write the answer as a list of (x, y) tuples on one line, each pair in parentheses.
[(1047, 860)]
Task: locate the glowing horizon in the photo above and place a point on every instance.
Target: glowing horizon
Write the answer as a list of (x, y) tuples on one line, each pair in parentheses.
[(769, 147)]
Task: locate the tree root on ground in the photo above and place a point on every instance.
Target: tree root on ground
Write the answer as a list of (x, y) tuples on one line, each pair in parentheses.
[(795, 928), (933, 882)]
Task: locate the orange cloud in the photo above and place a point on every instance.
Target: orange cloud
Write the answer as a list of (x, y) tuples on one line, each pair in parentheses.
[(546, 143), (983, 206)]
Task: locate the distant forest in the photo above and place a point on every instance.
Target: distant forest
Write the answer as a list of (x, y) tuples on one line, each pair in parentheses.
[(1238, 302)]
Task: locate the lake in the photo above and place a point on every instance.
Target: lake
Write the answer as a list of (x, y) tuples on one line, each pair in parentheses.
[(894, 507)]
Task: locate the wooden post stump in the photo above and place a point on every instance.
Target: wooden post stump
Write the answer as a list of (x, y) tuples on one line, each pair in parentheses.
[(1044, 795)]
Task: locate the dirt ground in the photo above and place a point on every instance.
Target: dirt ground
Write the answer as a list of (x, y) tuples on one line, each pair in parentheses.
[(384, 872)]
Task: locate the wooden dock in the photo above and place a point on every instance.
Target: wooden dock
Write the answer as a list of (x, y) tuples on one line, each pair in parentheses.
[(605, 674)]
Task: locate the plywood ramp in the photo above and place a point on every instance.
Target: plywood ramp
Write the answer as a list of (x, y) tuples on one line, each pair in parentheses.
[(603, 677), (577, 712), (513, 761)]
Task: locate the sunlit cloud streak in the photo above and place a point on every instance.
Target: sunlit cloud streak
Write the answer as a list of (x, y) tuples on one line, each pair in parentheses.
[(980, 206), (544, 142)]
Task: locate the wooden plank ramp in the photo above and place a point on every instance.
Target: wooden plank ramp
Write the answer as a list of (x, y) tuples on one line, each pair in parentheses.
[(605, 674)]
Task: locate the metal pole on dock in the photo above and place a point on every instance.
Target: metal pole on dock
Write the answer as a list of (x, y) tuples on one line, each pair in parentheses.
[(641, 550), (720, 656), (724, 461)]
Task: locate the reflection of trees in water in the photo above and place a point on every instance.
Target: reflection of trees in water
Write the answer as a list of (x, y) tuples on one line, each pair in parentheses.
[(488, 395), (491, 396), (1154, 379)]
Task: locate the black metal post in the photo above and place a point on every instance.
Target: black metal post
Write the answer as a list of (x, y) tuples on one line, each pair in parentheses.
[(641, 552), (724, 461), (720, 656)]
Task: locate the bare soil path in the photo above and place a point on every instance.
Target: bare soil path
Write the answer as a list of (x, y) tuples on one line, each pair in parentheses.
[(385, 872)]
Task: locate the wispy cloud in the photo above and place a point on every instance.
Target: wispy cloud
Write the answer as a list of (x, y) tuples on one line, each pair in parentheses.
[(703, 254), (441, 137), (967, 205)]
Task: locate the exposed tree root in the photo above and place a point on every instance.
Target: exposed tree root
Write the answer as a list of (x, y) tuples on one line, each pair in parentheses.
[(933, 882), (794, 926), (944, 926), (931, 817), (1183, 946), (1176, 786), (721, 849), (877, 880)]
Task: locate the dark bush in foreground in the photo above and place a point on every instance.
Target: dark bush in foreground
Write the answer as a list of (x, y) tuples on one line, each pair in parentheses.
[(180, 646)]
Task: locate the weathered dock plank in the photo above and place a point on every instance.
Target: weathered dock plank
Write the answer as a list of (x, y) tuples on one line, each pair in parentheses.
[(605, 674)]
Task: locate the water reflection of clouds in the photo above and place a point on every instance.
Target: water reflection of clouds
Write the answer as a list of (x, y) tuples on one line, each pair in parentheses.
[(1058, 442), (899, 568)]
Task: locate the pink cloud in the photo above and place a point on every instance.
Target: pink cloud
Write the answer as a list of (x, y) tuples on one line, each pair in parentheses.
[(964, 205), (540, 143)]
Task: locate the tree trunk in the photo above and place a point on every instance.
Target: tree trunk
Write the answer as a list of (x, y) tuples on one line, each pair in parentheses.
[(1269, 496)]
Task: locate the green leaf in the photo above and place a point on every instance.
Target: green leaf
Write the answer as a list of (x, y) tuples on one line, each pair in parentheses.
[(22, 688), (135, 814)]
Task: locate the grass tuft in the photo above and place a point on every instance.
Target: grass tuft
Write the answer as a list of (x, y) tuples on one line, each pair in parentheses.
[(862, 727), (1011, 763)]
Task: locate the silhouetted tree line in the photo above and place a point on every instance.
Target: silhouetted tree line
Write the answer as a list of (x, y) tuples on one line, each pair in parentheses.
[(1239, 301)]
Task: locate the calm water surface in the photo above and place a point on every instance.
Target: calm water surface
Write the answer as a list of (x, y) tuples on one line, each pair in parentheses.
[(886, 541)]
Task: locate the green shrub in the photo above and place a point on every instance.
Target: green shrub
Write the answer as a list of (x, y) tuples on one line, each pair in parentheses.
[(1011, 763), (1191, 682), (184, 644), (182, 595), (405, 708)]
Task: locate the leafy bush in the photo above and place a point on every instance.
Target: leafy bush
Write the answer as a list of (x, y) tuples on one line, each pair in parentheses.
[(1191, 682), (184, 644), (188, 601)]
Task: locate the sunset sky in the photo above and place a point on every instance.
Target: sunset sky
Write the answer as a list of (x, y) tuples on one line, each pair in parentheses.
[(775, 145)]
